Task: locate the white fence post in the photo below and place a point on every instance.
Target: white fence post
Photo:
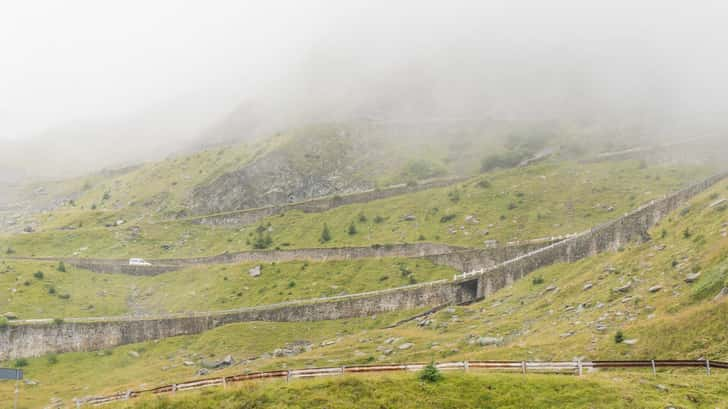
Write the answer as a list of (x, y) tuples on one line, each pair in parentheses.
[(466, 365), (707, 366), (654, 369), (523, 367), (578, 364)]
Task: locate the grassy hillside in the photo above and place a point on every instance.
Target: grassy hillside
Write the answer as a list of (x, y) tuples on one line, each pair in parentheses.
[(536, 201), (39, 290), (560, 312), (460, 391)]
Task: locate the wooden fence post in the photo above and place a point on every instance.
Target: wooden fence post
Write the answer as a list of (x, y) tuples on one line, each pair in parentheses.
[(523, 367), (224, 383), (707, 366), (654, 369)]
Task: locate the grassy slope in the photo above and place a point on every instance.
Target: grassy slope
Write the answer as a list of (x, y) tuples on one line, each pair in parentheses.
[(482, 391), (680, 321), (197, 288), (541, 200)]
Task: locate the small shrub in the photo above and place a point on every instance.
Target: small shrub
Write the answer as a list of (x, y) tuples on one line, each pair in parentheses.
[(9, 250), (106, 196), (325, 234), (511, 206), (64, 296), (352, 229), (20, 362), (421, 238), (378, 219), (537, 280), (51, 290), (483, 184), (4, 323), (430, 374), (618, 337), (687, 233), (61, 267), (262, 241), (291, 284), (58, 321), (454, 195), (52, 359), (362, 217), (38, 275), (448, 217), (663, 234)]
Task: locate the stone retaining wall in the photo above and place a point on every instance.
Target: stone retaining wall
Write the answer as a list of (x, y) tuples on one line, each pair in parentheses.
[(251, 216), (34, 338)]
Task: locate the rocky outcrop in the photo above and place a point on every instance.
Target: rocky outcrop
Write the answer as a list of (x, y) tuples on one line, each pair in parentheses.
[(324, 162)]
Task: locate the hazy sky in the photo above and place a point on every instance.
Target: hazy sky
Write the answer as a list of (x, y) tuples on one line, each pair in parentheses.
[(65, 61)]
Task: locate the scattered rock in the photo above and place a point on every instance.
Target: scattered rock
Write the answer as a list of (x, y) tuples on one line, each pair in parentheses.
[(328, 342), (202, 372), (661, 387), (134, 354), (550, 288), (491, 244), (255, 271), (10, 315), (588, 286), (486, 341), (655, 288), (406, 345), (390, 340), (387, 351), (188, 363), (630, 341), (691, 278), (723, 293), (409, 218), (719, 202), (624, 288)]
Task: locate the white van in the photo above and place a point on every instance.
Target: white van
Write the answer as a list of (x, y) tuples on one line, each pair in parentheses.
[(138, 262)]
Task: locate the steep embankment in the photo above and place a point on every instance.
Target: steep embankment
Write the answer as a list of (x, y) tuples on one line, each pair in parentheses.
[(518, 204), (561, 312)]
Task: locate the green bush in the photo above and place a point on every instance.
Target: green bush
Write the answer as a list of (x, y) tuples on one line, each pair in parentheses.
[(430, 374), (52, 359), (448, 217), (352, 229), (618, 337), (20, 362), (4, 323), (61, 267), (58, 321), (537, 280), (325, 234), (38, 275)]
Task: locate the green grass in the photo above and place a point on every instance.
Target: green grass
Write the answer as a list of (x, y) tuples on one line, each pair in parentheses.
[(88, 373), (541, 200), (679, 321), (200, 288), (461, 391)]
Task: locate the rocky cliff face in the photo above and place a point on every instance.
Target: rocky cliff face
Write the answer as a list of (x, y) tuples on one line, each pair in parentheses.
[(313, 163)]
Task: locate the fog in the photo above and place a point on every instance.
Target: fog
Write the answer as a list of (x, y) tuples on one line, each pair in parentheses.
[(92, 84)]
